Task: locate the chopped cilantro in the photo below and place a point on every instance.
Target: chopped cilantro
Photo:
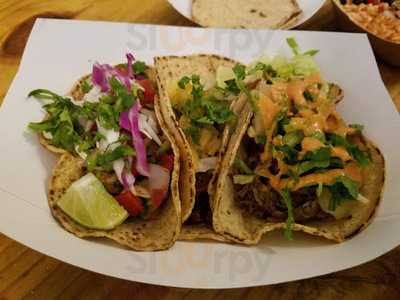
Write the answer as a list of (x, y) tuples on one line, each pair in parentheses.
[(105, 159), (202, 109), (362, 157), (320, 154), (289, 152), (139, 67), (282, 122), (318, 159), (293, 138), (86, 87), (240, 71), (107, 116), (343, 189), (320, 136), (232, 87), (183, 82), (62, 121), (308, 96), (261, 139)]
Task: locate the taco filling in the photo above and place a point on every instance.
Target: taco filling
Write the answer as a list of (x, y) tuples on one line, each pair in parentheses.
[(292, 161), (202, 113), (298, 160), (110, 123)]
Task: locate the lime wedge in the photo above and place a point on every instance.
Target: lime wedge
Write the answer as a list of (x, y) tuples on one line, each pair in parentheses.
[(88, 203), (224, 74)]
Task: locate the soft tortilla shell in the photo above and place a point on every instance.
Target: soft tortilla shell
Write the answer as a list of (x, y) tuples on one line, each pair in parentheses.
[(230, 220), (200, 232), (158, 233), (248, 14), (171, 69)]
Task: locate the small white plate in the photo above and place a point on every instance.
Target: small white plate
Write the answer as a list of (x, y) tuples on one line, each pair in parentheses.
[(309, 8)]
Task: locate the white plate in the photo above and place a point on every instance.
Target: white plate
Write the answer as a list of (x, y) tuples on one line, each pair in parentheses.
[(59, 51), (309, 8)]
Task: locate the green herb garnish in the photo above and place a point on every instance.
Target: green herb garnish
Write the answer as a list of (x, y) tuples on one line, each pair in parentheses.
[(343, 189), (363, 158), (139, 67), (202, 110), (86, 87)]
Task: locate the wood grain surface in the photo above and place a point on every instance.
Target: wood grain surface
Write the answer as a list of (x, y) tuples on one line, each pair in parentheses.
[(27, 274)]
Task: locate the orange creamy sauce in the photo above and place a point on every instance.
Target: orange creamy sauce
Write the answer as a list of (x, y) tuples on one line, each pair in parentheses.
[(318, 115)]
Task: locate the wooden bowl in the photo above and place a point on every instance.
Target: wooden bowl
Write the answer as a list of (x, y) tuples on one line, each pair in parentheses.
[(387, 51)]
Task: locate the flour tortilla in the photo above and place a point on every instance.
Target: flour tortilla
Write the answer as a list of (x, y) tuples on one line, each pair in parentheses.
[(157, 233), (247, 14), (232, 222)]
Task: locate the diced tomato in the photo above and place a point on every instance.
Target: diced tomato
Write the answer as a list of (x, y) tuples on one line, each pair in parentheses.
[(131, 203), (149, 91), (158, 196), (167, 161)]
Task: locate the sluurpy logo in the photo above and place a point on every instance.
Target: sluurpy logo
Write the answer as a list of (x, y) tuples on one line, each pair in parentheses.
[(210, 260), (174, 40)]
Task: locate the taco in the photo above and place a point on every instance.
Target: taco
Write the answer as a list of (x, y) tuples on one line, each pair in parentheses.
[(117, 176), (197, 105), (293, 163)]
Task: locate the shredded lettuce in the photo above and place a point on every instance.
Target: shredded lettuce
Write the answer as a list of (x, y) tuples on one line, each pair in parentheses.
[(300, 64)]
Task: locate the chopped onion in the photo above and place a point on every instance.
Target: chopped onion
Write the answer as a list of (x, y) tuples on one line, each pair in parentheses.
[(130, 58), (145, 125), (124, 79), (99, 77), (102, 73), (125, 177), (138, 142), (94, 94), (158, 183), (111, 138), (206, 164), (118, 166)]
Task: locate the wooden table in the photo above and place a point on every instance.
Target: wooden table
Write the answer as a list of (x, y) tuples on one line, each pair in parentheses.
[(25, 273)]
